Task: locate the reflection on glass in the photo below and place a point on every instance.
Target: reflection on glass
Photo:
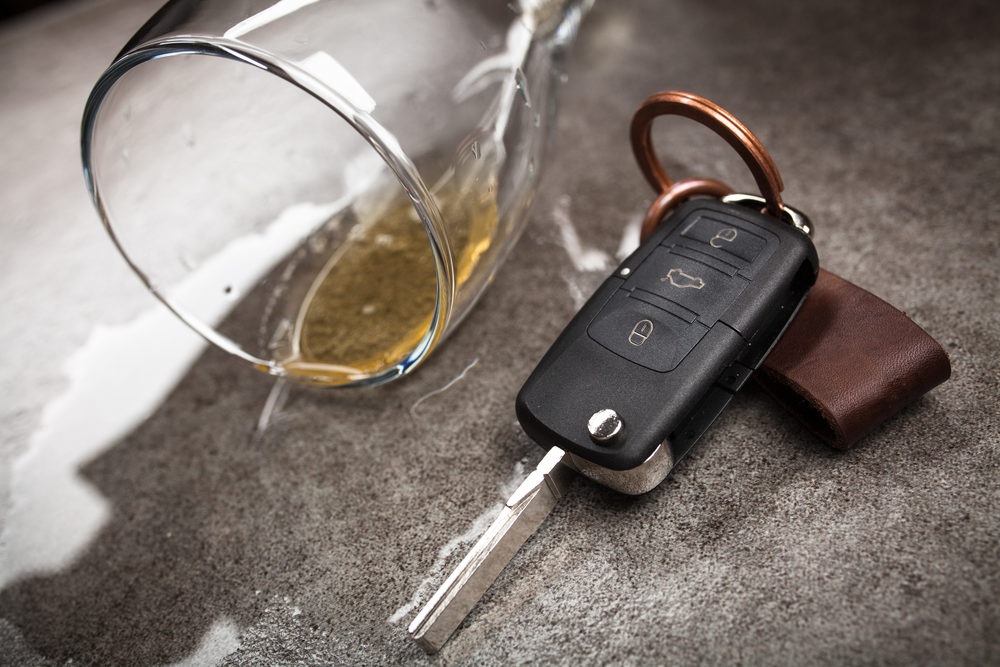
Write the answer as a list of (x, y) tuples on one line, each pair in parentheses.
[(324, 188)]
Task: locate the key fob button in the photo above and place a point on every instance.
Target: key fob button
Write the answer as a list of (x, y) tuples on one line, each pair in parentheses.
[(605, 426), (643, 333), (697, 287), (725, 237)]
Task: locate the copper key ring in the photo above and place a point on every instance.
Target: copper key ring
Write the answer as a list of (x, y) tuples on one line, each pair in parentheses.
[(677, 194), (721, 122)]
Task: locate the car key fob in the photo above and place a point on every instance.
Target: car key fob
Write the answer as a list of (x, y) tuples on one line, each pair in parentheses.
[(659, 350), (657, 353)]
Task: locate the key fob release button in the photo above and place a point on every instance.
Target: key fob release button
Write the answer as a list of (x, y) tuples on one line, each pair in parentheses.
[(643, 333), (705, 291), (725, 237)]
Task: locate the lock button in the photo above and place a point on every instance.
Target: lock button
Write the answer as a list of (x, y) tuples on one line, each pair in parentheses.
[(643, 333)]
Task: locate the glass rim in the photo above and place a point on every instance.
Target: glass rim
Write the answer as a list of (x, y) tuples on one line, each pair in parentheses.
[(383, 142)]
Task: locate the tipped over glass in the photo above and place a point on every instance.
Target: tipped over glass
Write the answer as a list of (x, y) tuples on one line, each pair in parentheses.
[(324, 188)]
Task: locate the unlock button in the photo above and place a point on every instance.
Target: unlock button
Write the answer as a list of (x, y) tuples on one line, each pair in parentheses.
[(726, 236)]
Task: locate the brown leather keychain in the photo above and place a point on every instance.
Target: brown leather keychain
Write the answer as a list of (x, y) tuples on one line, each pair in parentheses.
[(848, 360)]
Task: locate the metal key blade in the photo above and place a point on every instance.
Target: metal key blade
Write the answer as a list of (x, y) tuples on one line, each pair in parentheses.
[(518, 520)]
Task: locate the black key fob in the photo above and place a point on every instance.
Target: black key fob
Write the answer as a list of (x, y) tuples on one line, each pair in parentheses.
[(659, 350)]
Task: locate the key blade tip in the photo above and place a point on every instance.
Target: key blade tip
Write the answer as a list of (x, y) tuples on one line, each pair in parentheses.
[(428, 644), (434, 626), (527, 508)]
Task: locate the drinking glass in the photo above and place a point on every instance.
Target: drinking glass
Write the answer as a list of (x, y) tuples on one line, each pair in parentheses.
[(323, 188)]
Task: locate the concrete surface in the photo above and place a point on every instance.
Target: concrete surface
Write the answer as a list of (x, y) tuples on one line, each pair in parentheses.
[(193, 538)]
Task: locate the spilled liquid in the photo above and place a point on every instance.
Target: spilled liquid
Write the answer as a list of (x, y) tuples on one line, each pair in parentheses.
[(373, 301)]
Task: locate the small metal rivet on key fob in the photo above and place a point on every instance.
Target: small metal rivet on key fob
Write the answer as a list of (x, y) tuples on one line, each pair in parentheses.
[(605, 426), (653, 357)]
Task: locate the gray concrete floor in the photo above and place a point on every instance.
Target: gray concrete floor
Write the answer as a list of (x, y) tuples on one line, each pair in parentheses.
[(190, 537)]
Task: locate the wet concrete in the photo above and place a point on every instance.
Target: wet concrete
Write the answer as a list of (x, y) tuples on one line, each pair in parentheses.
[(210, 541)]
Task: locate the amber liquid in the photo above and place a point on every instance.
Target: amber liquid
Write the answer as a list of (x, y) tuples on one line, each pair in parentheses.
[(374, 300)]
